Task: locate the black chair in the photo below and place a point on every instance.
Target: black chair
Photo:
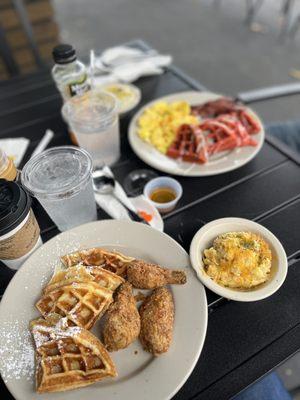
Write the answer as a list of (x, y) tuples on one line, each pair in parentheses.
[(5, 50)]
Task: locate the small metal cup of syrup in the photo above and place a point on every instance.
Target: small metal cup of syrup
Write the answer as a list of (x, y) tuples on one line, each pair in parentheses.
[(164, 193)]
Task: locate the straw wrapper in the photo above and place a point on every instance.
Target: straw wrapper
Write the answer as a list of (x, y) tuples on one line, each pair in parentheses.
[(15, 148)]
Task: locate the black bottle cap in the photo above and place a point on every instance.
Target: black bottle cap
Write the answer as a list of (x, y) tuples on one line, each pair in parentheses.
[(15, 204), (64, 54)]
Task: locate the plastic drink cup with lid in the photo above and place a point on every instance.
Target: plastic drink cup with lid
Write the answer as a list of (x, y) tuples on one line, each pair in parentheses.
[(19, 230), (94, 119), (61, 179), (8, 170)]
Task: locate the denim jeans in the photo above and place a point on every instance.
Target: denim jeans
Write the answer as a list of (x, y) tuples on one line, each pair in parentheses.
[(268, 388), (271, 387), (288, 132)]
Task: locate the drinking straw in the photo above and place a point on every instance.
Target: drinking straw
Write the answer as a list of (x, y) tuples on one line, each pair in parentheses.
[(43, 143), (92, 68)]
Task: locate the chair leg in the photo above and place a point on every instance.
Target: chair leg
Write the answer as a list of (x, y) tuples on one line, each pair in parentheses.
[(286, 9), (7, 55), (294, 28), (217, 3), (22, 13), (286, 6), (249, 11), (253, 7)]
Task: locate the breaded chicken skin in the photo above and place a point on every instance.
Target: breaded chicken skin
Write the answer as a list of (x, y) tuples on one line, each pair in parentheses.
[(157, 320), (122, 324), (144, 275)]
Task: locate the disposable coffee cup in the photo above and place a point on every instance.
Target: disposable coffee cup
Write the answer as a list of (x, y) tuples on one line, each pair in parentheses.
[(19, 230)]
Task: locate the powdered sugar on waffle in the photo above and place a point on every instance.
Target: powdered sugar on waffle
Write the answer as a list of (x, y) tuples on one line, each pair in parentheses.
[(17, 350), (59, 331), (17, 356)]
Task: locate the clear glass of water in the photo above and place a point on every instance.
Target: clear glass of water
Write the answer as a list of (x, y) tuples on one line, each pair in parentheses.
[(61, 179), (93, 118)]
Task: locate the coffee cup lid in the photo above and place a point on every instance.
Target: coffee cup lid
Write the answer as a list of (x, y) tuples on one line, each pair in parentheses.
[(15, 203)]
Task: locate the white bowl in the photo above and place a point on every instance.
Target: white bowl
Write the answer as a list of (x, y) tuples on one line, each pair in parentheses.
[(136, 96), (203, 239), (163, 182)]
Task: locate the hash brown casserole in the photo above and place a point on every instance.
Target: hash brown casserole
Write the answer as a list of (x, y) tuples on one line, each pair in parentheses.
[(238, 260)]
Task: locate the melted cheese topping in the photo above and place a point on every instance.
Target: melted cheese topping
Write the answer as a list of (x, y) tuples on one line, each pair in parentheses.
[(238, 260)]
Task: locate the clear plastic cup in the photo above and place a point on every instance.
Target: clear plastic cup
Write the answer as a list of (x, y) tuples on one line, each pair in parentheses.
[(93, 118), (61, 179)]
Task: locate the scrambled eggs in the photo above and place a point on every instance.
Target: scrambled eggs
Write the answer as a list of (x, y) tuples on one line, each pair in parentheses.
[(238, 260), (159, 123)]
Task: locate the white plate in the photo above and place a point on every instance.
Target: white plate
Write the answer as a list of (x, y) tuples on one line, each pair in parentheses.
[(203, 239), (141, 376), (222, 162)]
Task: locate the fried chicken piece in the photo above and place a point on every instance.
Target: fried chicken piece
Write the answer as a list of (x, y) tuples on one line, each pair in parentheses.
[(157, 320), (144, 275), (122, 325)]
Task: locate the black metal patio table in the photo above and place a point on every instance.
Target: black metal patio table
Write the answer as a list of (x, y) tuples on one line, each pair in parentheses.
[(244, 340)]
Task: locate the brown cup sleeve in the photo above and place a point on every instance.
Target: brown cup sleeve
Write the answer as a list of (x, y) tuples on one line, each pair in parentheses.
[(22, 241)]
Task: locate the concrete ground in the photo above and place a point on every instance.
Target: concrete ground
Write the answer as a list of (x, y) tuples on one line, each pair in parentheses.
[(212, 43), (209, 40)]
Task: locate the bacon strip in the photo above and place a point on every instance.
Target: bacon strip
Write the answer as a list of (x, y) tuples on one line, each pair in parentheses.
[(226, 126)]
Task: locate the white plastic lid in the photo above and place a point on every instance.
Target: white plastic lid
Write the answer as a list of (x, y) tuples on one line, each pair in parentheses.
[(57, 173), (92, 111)]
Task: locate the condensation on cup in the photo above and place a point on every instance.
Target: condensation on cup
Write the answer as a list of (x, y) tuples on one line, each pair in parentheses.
[(94, 120), (61, 180), (19, 230)]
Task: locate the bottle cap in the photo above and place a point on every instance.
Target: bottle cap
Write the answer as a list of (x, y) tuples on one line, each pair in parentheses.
[(64, 54)]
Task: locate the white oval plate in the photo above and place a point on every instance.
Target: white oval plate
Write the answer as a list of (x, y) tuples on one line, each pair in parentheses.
[(140, 375), (141, 203), (203, 239), (218, 164)]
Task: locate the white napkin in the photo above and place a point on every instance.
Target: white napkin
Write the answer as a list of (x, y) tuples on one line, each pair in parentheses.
[(112, 206), (117, 211), (127, 64), (130, 72), (121, 54), (15, 148)]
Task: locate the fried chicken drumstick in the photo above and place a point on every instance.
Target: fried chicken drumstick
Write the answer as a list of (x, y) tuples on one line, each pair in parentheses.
[(122, 324), (157, 320), (144, 275)]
